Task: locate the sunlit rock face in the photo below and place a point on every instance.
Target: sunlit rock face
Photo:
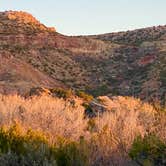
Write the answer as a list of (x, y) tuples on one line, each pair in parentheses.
[(18, 21)]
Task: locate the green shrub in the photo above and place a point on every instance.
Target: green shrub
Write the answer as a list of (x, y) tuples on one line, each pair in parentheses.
[(163, 76), (12, 159), (99, 91), (84, 96), (31, 148), (70, 153), (19, 48), (148, 150), (14, 140), (18, 147), (62, 93)]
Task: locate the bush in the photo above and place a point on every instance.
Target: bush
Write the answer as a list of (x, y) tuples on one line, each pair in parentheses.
[(15, 140), (70, 153), (86, 97), (99, 91), (23, 148), (88, 110), (61, 93), (33, 148), (109, 137), (149, 149), (92, 125)]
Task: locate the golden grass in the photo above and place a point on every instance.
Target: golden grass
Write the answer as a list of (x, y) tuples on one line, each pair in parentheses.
[(45, 113), (110, 141)]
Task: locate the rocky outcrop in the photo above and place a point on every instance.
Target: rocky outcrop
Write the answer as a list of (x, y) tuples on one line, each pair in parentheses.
[(22, 22)]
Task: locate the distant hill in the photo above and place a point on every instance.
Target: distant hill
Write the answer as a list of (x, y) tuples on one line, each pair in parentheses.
[(135, 37), (126, 63)]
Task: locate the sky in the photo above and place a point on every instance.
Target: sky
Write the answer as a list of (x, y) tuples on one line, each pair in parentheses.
[(83, 17)]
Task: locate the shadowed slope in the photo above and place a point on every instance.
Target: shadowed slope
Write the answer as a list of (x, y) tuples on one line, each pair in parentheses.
[(18, 76)]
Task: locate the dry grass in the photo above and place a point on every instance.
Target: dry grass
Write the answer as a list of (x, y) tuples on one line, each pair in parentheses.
[(53, 116), (126, 118), (114, 133)]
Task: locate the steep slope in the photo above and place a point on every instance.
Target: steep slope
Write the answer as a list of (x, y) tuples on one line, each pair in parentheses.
[(18, 76), (127, 63)]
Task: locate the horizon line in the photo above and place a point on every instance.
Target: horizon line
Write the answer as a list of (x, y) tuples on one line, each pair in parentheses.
[(90, 34)]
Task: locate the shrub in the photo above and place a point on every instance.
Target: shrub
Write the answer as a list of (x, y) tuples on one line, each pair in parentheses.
[(163, 76), (92, 125), (149, 149), (86, 97), (46, 113), (32, 148), (70, 153), (19, 147), (14, 140), (62, 93), (109, 137), (99, 91), (88, 110)]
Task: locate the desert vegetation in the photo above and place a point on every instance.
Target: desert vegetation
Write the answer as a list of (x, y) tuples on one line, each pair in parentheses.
[(103, 101), (135, 37), (49, 130), (128, 63)]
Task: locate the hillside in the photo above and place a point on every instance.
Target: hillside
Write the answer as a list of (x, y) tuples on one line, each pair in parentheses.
[(48, 119), (135, 37), (127, 63), (18, 76)]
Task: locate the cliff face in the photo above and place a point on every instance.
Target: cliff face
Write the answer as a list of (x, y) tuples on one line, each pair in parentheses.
[(21, 22), (127, 63)]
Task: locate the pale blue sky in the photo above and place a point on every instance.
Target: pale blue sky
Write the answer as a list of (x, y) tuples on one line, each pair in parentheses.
[(76, 17)]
